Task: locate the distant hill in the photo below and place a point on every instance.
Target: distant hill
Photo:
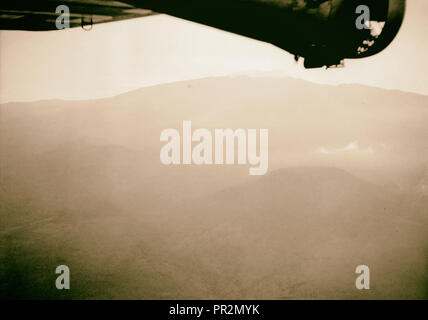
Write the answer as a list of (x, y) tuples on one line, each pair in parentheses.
[(82, 184), (298, 233)]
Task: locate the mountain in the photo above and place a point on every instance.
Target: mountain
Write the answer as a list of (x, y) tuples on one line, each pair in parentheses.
[(82, 185), (299, 233)]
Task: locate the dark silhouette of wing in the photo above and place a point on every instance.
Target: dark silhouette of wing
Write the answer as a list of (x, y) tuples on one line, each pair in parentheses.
[(41, 15), (323, 32)]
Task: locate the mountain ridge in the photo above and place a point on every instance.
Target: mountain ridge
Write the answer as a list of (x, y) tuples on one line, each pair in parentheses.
[(223, 78)]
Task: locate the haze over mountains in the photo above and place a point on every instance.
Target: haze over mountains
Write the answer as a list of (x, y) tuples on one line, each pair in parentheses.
[(82, 185)]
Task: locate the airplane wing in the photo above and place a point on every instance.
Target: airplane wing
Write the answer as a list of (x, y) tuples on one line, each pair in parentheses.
[(323, 32), (41, 15)]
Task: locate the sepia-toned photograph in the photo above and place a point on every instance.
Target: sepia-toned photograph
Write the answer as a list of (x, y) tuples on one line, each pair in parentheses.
[(213, 150)]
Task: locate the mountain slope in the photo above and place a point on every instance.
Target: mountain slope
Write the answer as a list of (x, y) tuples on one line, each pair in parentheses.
[(82, 184)]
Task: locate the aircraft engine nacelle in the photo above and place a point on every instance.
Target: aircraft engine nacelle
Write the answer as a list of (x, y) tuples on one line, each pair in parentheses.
[(323, 32)]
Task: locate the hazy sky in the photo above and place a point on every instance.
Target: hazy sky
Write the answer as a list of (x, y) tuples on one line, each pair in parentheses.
[(118, 57)]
